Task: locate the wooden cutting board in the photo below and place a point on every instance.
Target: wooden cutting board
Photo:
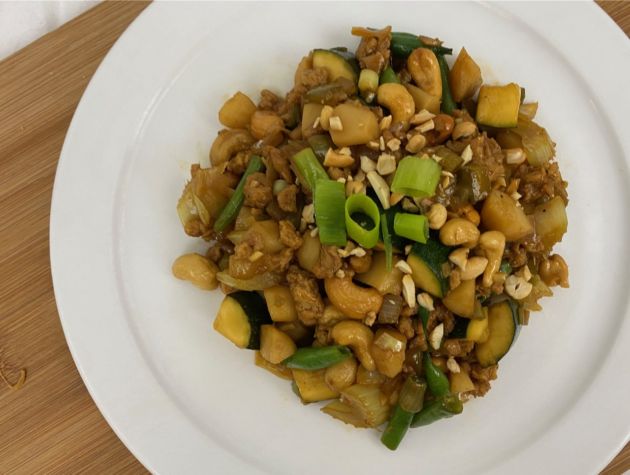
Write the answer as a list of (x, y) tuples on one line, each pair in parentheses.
[(51, 424)]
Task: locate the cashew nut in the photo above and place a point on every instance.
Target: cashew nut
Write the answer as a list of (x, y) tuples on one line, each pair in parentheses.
[(197, 269), (517, 287), (341, 375), (358, 337), (354, 301), (470, 213), (459, 232), (425, 70), (228, 143), (492, 243), (474, 268), (398, 100), (554, 271)]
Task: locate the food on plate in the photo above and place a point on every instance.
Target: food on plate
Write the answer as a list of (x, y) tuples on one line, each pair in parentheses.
[(382, 231)]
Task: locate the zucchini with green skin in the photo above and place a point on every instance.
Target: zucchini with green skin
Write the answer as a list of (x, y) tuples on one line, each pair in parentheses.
[(240, 317), (502, 326), (426, 261), (338, 64)]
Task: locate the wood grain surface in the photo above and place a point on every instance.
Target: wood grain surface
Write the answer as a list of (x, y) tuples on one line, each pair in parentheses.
[(51, 425)]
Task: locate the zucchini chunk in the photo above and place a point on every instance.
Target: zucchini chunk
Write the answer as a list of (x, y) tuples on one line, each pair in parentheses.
[(503, 326), (240, 317), (336, 64), (498, 105), (426, 261)]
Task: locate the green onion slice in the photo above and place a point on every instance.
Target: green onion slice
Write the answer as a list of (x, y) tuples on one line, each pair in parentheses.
[(364, 234), (412, 226), (309, 169), (417, 177), (329, 199), (233, 206)]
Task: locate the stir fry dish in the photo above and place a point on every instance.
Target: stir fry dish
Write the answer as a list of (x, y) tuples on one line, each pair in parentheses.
[(382, 231)]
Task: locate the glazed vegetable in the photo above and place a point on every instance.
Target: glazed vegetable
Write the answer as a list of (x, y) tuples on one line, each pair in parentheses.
[(416, 177), (440, 408), (236, 201), (311, 385), (465, 77), (275, 345), (329, 201), (365, 233), (309, 168), (402, 44), (448, 104), (410, 401), (412, 226), (383, 280), (551, 221), (311, 359)]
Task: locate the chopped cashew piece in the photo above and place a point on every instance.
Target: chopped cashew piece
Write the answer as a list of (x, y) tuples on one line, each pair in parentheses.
[(403, 267), (381, 188), (409, 290), (435, 338), (452, 365), (492, 243), (426, 301)]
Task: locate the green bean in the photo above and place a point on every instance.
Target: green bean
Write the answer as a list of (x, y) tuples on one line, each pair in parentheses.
[(436, 379), (233, 206), (410, 401), (402, 44), (440, 408), (448, 104), (396, 428), (312, 359), (389, 76)]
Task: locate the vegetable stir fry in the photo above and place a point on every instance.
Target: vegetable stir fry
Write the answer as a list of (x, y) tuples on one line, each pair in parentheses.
[(380, 232)]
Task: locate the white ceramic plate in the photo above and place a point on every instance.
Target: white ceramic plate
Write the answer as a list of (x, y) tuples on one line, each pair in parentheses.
[(181, 397)]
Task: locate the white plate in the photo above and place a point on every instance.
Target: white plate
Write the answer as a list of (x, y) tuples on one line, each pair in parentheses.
[(181, 397)]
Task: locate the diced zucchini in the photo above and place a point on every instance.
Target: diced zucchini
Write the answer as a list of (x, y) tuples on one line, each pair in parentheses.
[(502, 325), (551, 221), (239, 319), (312, 385), (280, 304), (279, 370), (477, 329), (378, 277), (461, 299), (335, 63), (426, 262), (498, 105), (275, 345), (460, 382), (500, 213)]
